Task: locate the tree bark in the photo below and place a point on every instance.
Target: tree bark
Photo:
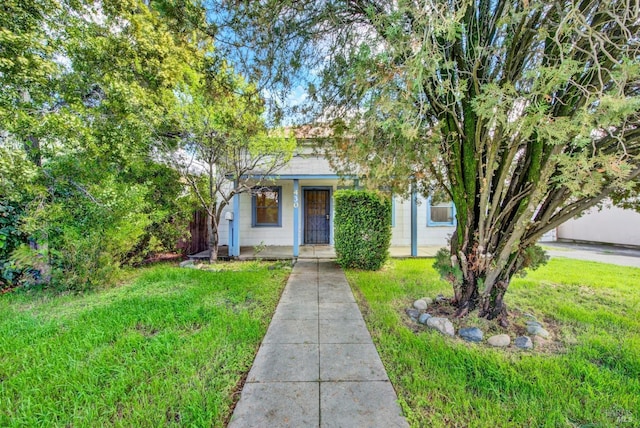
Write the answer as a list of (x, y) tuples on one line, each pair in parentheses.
[(474, 288), (212, 230)]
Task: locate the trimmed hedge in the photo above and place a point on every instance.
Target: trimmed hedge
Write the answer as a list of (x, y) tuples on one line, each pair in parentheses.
[(362, 229)]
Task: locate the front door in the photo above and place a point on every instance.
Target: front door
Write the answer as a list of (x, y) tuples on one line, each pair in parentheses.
[(317, 216)]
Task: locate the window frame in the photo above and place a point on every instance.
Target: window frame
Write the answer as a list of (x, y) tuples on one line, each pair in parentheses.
[(254, 206), (431, 222)]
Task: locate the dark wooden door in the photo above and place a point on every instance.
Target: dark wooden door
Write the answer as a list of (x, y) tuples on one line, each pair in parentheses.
[(317, 216)]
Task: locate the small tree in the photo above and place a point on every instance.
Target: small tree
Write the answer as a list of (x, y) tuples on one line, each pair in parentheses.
[(363, 229), (224, 147)]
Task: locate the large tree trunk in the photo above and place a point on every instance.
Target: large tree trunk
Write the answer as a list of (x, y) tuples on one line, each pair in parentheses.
[(470, 296), (479, 283)]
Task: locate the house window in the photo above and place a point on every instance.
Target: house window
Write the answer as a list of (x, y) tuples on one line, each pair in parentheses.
[(266, 204), (440, 213)]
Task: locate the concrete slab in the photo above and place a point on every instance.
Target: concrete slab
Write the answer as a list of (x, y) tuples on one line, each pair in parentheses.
[(612, 254), (292, 331), (423, 251), (344, 331), (277, 362), (302, 295), (360, 404), (340, 362), (260, 405), (335, 295), (334, 280), (339, 311), (296, 311)]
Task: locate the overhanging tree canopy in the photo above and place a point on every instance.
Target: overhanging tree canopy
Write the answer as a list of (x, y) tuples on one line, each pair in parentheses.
[(524, 112)]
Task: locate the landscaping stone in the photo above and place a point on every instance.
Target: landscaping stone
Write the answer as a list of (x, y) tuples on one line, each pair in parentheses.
[(533, 324), (420, 305), (443, 325), (471, 334), (537, 330), (499, 340), (423, 318), (429, 300), (440, 298), (523, 342), (413, 313), (186, 263)]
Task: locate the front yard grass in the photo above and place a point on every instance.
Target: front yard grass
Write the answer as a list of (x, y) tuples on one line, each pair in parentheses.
[(591, 380), (168, 347)]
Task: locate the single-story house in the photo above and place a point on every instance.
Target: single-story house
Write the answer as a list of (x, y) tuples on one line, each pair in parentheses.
[(295, 208)]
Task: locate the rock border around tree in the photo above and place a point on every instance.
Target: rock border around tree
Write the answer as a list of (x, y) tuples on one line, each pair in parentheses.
[(424, 313)]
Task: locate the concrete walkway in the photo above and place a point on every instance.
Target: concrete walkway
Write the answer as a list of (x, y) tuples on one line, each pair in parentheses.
[(317, 365), (612, 254)]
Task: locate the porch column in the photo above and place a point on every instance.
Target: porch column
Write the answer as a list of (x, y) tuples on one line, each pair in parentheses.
[(236, 223), (414, 220), (296, 218)]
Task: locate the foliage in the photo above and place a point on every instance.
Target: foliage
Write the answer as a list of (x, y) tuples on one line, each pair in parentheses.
[(524, 113), (362, 229), (592, 381), (10, 238), (222, 146), (168, 346), (85, 88)]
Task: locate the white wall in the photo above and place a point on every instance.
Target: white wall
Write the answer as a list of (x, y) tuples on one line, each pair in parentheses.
[(427, 235), (610, 225), (401, 232)]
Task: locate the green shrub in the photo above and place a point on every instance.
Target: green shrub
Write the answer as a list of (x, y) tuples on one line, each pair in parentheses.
[(362, 229)]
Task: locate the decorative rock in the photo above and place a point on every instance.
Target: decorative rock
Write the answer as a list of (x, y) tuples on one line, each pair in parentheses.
[(533, 324), (523, 342), (420, 305), (499, 340), (413, 313), (537, 330), (443, 325), (429, 300), (440, 298), (423, 318), (471, 334), (186, 263)]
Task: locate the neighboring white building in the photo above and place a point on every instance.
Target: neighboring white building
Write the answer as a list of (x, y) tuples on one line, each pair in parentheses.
[(296, 208), (610, 225)]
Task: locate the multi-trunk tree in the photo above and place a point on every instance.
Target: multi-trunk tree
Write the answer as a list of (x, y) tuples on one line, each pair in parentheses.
[(525, 113)]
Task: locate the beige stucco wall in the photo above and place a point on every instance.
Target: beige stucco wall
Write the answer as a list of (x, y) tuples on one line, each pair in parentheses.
[(427, 235), (611, 225)]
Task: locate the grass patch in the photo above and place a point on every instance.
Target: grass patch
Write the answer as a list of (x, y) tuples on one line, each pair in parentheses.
[(594, 382), (170, 346)]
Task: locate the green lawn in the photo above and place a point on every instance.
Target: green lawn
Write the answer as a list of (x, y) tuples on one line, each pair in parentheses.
[(591, 380), (168, 347)]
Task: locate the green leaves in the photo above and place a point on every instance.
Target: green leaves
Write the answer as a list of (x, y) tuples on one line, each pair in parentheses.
[(362, 229), (86, 90)]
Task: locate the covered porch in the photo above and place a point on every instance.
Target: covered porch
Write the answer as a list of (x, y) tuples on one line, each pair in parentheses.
[(284, 252)]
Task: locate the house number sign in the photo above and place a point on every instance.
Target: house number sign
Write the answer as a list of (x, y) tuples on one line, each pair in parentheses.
[(295, 199)]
